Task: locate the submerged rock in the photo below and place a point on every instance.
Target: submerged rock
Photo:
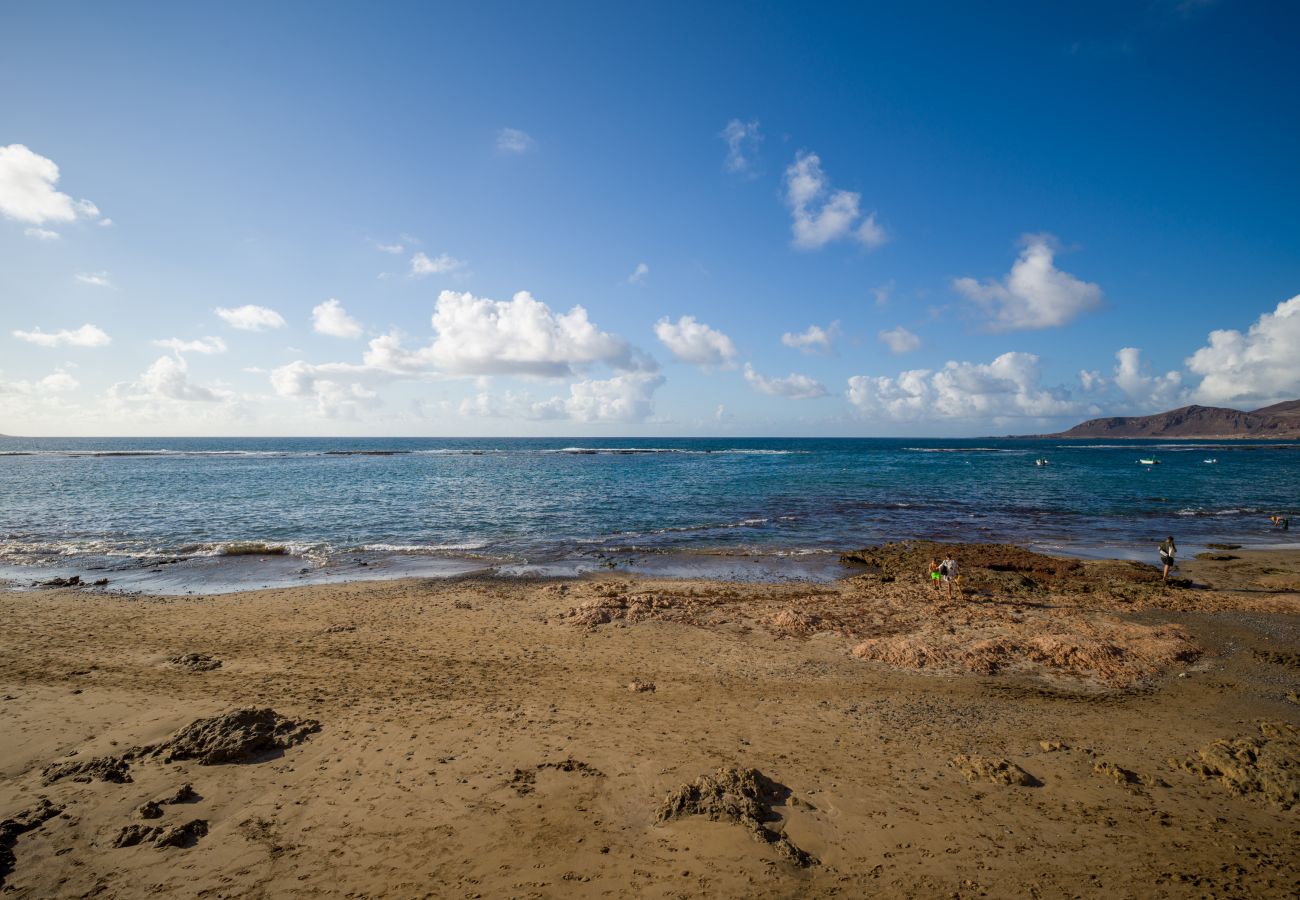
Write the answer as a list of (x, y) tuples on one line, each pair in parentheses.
[(239, 736), (741, 796)]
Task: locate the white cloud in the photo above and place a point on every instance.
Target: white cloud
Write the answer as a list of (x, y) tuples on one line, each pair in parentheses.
[(41, 234), (694, 342), (393, 249), (207, 345), (813, 339), (1034, 294), (627, 397), (512, 140), (793, 386), (1008, 387), (1149, 393), (57, 382), (742, 140), (250, 317), (86, 336), (1256, 368), (820, 214), (899, 340), (27, 191), (1092, 380), (95, 279), (882, 293), (168, 378), (331, 318), (639, 274), (105, 222), (521, 336), (422, 265), (328, 386)]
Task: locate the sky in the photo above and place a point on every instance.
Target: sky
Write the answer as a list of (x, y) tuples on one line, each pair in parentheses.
[(644, 219)]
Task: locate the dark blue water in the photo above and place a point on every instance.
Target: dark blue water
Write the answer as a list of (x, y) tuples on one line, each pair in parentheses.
[(130, 501)]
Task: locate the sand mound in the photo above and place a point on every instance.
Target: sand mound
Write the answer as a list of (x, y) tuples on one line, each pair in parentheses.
[(242, 735), (101, 768), (162, 836), (195, 662), (10, 830), (793, 623), (1268, 764), (994, 769), (1115, 653), (740, 796)]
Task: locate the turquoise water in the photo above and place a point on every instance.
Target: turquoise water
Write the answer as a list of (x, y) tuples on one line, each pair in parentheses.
[(529, 504)]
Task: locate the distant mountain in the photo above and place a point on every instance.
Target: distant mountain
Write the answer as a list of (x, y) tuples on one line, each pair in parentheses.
[(1281, 420)]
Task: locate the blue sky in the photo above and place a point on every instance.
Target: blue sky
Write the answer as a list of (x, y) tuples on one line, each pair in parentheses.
[(967, 218)]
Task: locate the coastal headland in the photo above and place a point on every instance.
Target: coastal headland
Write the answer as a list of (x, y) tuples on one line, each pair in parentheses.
[(1060, 728)]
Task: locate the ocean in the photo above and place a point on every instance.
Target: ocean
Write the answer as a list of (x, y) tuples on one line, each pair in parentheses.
[(164, 514)]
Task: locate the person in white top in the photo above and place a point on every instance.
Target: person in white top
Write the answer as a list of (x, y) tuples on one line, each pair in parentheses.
[(948, 572)]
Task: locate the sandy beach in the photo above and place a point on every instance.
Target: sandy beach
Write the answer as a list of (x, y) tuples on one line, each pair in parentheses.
[(1063, 729)]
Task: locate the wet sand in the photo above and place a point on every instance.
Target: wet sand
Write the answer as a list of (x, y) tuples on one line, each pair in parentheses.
[(1049, 734)]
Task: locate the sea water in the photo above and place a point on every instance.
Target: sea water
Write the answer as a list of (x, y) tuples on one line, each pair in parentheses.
[(771, 508)]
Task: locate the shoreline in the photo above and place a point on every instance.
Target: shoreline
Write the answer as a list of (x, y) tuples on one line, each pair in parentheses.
[(218, 573)]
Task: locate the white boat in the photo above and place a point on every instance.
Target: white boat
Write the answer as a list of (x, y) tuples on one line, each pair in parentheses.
[(1149, 462), (1040, 462), (1210, 462)]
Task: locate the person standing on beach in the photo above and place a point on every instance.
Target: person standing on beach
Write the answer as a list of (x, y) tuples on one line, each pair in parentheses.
[(948, 572), (1168, 550), (934, 574)]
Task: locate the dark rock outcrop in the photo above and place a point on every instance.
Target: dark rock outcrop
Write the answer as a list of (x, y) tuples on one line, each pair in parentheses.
[(239, 736)]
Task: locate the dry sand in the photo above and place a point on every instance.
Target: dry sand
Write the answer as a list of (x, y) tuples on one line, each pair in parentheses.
[(1064, 730)]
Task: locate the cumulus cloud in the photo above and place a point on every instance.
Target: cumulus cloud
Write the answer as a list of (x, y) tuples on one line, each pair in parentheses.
[(512, 140), (899, 340), (1147, 392), (207, 345), (422, 265), (57, 382), (329, 386), (27, 192), (94, 279), (520, 336), (742, 140), (694, 342), (813, 339), (627, 397), (250, 317), (86, 336), (1008, 387), (331, 318), (168, 378), (820, 214), (639, 274), (1256, 368), (1034, 294), (794, 386), (41, 234)]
